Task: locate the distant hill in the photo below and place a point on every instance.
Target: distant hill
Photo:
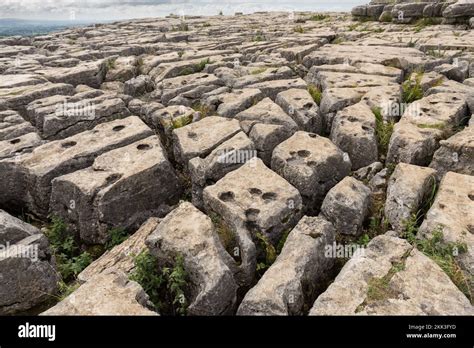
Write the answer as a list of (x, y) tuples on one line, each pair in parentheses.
[(24, 27)]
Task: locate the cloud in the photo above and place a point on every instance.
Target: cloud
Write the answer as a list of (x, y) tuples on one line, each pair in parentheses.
[(121, 9)]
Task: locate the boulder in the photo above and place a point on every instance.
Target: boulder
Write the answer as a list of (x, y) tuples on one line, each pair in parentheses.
[(266, 112), (290, 285), (451, 214), (312, 164), (353, 131), (427, 121), (200, 138), (28, 178), (455, 154), (347, 205), (121, 189), (408, 190), (213, 289), (27, 268), (391, 278), (107, 293), (299, 104), (225, 158), (139, 85), (122, 256), (266, 137)]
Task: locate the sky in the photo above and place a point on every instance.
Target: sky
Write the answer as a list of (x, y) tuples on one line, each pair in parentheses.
[(94, 10)]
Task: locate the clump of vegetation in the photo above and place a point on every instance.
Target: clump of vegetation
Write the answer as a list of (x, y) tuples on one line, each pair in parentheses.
[(353, 26), (424, 22), (337, 40), (165, 286), (411, 88), (412, 43), (181, 121), (443, 253), (316, 93), (383, 130), (318, 17), (258, 71), (175, 283), (259, 36), (117, 236), (196, 68), (70, 260), (379, 289), (436, 53), (439, 126), (139, 65), (204, 110), (268, 251), (226, 236), (363, 240), (378, 223), (282, 241), (363, 19), (299, 29), (110, 64)]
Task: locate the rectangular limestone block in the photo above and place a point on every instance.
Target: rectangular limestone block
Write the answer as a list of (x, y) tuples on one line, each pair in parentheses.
[(122, 188), (26, 180)]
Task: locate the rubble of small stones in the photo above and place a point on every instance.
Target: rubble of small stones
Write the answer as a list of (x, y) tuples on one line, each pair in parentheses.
[(251, 147)]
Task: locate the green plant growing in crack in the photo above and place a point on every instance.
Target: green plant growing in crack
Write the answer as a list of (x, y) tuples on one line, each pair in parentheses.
[(425, 22), (196, 68), (412, 89), (181, 121), (436, 53), (258, 71), (383, 131), (70, 260), (204, 110), (226, 236), (315, 93), (318, 17), (269, 252), (117, 236), (299, 29), (443, 253), (379, 289), (175, 283), (165, 286)]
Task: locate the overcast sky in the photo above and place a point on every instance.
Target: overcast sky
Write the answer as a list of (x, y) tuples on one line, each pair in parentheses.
[(122, 9)]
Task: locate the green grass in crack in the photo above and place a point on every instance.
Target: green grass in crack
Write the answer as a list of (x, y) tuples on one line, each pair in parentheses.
[(383, 130), (70, 260), (166, 286), (315, 93), (269, 252), (411, 88), (443, 253), (117, 235), (318, 17), (196, 68)]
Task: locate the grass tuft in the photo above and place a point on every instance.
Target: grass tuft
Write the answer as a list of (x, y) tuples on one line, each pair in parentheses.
[(316, 94)]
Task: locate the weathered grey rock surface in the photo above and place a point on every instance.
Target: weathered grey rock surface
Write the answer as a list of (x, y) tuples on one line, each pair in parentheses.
[(255, 147)]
